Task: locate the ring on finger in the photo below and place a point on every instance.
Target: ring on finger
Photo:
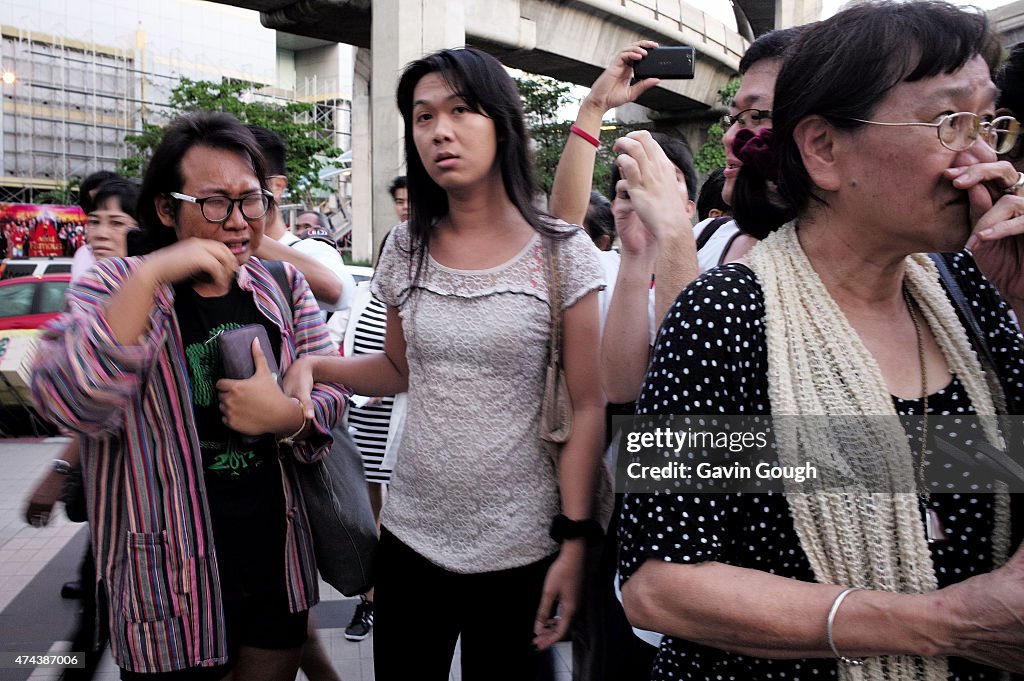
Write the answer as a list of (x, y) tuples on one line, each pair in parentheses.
[(1013, 188)]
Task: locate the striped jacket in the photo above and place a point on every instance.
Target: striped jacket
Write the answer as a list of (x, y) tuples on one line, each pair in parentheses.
[(143, 470)]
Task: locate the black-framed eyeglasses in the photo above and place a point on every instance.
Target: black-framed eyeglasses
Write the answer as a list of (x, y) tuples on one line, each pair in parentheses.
[(959, 131), (217, 208), (748, 118)]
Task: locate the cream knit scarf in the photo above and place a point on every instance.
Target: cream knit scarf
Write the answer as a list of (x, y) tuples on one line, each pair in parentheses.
[(862, 537)]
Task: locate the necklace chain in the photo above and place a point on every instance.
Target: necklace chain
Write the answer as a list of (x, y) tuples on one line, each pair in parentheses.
[(933, 526), (922, 489)]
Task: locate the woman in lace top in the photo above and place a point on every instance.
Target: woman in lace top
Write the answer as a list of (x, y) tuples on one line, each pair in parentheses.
[(465, 547)]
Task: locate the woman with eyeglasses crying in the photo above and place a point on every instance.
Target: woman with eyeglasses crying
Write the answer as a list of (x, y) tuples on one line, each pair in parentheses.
[(202, 544)]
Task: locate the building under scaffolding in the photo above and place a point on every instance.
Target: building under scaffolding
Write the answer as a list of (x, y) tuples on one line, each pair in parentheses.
[(65, 114), (70, 102)]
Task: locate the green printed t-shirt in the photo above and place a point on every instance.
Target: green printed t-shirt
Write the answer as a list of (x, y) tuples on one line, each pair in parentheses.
[(230, 463)]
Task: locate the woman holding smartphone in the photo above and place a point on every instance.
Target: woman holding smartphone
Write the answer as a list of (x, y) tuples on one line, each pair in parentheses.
[(465, 546)]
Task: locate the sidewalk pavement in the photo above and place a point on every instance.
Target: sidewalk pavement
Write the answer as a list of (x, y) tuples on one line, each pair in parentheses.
[(35, 562)]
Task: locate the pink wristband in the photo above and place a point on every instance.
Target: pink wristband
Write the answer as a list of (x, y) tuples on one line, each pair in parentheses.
[(577, 130)]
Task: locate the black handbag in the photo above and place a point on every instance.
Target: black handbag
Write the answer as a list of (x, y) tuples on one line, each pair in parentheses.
[(336, 499), (340, 518)]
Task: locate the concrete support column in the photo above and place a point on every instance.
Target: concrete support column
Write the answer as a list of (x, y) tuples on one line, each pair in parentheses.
[(796, 12), (402, 30), (362, 168)]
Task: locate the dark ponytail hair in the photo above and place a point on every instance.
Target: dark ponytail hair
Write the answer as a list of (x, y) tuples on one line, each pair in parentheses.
[(757, 206), (842, 68), (1010, 81)]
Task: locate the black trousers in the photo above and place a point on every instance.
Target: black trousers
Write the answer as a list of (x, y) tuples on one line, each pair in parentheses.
[(604, 647), (89, 638), (420, 609)]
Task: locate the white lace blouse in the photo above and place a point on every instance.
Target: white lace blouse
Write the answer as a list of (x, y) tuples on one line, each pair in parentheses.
[(474, 488)]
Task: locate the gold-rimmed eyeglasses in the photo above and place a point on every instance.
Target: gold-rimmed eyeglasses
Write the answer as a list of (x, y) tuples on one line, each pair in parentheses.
[(959, 131)]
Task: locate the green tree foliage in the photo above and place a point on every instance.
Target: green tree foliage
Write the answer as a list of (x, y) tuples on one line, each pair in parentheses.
[(306, 145), (606, 157), (142, 146), (711, 155), (64, 194), (543, 97)]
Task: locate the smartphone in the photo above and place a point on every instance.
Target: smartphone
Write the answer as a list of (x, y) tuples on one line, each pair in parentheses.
[(665, 62)]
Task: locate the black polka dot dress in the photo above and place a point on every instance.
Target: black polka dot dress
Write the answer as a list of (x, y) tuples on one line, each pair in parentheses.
[(711, 357)]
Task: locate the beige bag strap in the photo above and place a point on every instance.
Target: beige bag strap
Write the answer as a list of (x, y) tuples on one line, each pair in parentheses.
[(554, 299)]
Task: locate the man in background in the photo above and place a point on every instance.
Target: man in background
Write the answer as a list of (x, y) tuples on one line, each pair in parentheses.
[(751, 109), (323, 267), (311, 223), (399, 191)]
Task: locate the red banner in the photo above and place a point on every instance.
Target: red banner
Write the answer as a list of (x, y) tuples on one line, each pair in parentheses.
[(41, 230)]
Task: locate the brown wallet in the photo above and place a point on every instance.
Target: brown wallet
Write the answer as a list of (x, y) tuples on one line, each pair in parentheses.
[(236, 351), (236, 356)]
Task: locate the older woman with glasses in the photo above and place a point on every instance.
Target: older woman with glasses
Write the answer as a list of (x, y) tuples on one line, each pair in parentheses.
[(841, 312)]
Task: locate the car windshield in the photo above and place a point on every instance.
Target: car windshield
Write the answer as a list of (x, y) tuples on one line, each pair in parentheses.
[(16, 299), (51, 296), (13, 270)]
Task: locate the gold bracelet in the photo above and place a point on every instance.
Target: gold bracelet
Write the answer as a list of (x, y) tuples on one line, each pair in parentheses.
[(290, 440)]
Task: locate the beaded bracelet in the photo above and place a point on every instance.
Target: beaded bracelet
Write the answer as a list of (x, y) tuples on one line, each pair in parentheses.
[(290, 440)]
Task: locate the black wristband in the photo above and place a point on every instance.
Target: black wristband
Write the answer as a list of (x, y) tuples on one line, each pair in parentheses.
[(562, 528)]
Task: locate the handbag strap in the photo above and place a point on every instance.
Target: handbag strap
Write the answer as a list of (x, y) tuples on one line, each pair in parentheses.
[(284, 287), (710, 229), (977, 336), (554, 299), (999, 461)]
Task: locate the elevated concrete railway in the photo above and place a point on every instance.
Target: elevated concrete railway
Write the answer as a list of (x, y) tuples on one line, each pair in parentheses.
[(571, 40)]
